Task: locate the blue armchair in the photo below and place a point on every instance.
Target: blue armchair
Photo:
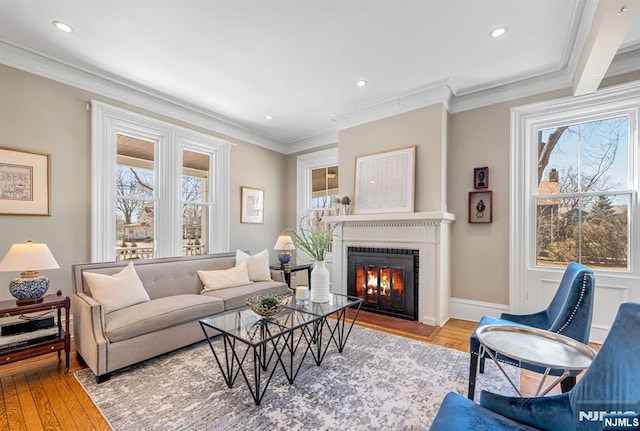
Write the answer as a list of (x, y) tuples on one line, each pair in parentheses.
[(610, 384), (569, 313)]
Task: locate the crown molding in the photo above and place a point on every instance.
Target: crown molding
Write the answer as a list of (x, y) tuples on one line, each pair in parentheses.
[(624, 62), (431, 94), (125, 91), (326, 137)]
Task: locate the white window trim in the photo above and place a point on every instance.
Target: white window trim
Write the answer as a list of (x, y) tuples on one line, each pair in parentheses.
[(524, 120), (109, 121)]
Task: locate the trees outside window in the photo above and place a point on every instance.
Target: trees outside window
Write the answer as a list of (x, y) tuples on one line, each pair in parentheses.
[(583, 194)]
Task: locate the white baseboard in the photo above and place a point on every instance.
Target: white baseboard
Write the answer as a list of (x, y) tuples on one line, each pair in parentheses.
[(467, 309)]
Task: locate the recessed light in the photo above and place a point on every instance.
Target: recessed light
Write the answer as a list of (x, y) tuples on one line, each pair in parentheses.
[(63, 26), (268, 117), (361, 83), (498, 31)]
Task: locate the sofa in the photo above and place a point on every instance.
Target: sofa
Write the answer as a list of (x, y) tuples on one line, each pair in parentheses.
[(167, 302)]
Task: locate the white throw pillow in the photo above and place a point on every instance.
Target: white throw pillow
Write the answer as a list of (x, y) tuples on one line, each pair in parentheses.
[(118, 290), (221, 279), (257, 265)]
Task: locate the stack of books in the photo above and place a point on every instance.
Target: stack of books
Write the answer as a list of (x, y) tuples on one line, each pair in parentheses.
[(25, 333)]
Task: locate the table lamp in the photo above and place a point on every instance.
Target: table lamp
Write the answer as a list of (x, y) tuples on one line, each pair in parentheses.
[(283, 245), (30, 286)]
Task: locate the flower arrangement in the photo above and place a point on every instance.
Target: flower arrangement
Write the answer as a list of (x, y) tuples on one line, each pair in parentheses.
[(313, 236)]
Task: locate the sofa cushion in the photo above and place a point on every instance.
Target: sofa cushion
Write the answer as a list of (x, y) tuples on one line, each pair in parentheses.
[(118, 290), (158, 314), (221, 279), (234, 297), (258, 265)]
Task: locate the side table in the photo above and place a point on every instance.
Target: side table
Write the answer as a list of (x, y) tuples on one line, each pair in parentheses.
[(535, 346), (60, 343), (288, 269)]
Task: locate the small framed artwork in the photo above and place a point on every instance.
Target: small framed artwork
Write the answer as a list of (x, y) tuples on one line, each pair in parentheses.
[(481, 178), (481, 207), (251, 205), (24, 182)]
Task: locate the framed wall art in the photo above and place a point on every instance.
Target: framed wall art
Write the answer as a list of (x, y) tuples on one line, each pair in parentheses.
[(481, 207), (251, 205), (481, 178), (385, 182), (24, 182)]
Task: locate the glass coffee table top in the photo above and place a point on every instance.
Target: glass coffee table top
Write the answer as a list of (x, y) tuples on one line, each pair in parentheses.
[(336, 303), (254, 329)]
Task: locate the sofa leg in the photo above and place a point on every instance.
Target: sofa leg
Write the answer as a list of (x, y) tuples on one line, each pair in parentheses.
[(103, 378), (473, 369), (567, 384)]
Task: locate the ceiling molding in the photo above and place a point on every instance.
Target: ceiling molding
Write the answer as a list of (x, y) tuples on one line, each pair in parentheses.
[(127, 92), (327, 137), (431, 94), (625, 62)]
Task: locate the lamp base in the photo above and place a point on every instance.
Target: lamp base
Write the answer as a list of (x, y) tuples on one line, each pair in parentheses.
[(284, 257), (20, 302), (29, 289)]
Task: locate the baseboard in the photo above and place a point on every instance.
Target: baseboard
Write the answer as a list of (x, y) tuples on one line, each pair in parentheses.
[(467, 309)]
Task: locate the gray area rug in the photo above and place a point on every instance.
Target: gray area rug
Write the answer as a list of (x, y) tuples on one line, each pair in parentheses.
[(380, 382)]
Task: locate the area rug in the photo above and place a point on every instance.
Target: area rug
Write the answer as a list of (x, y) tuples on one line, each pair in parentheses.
[(380, 381)]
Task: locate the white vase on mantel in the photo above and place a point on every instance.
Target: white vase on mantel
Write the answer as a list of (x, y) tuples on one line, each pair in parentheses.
[(319, 282)]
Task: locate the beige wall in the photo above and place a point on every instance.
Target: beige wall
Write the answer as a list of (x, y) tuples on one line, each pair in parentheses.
[(426, 128), (38, 114)]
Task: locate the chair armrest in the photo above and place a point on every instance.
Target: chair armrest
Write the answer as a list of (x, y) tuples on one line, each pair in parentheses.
[(537, 320), (552, 413), (89, 332)]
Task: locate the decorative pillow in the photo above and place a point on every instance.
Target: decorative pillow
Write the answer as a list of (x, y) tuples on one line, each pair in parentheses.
[(257, 265), (221, 279), (118, 290)]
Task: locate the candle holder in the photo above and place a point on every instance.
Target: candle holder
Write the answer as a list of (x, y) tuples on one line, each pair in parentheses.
[(302, 295)]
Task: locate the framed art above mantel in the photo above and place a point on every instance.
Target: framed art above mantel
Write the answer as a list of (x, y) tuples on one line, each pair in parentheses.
[(24, 182), (385, 182)]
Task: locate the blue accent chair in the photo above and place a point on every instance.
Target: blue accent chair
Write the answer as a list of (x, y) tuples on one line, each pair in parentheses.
[(610, 384), (569, 314)]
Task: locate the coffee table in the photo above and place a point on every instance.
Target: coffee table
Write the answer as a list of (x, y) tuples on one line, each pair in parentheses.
[(254, 346), (332, 314), (535, 346)]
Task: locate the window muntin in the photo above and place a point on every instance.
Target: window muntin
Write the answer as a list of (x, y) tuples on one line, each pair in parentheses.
[(583, 195)]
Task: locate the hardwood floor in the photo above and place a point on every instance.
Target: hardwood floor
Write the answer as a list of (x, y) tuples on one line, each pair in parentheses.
[(37, 395)]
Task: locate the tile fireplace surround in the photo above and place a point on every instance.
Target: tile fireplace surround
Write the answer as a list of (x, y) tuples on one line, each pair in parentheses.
[(427, 232)]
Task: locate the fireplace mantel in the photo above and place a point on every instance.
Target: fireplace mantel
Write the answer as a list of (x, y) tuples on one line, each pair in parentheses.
[(428, 232)]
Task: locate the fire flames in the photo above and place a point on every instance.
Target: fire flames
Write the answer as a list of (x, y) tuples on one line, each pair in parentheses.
[(382, 282)]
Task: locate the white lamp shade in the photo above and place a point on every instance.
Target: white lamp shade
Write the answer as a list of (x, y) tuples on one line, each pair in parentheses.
[(28, 257), (284, 242)]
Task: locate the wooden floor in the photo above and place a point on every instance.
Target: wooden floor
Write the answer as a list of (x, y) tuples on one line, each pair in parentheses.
[(37, 395)]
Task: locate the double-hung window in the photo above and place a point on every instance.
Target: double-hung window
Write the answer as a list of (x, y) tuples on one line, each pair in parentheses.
[(157, 189)]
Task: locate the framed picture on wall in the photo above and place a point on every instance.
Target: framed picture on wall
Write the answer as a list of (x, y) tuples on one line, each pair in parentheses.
[(481, 207), (481, 178), (385, 182), (24, 182), (251, 205)]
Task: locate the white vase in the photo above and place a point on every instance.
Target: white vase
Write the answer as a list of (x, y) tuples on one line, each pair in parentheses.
[(319, 282)]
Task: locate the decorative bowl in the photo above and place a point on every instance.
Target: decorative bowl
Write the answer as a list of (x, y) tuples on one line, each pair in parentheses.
[(267, 305)]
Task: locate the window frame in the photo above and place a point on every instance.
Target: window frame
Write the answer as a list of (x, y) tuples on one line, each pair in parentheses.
[(169, 141), (525, 123)]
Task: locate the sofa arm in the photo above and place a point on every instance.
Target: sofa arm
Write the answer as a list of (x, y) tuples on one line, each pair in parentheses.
[(277, 275), (89, 332)]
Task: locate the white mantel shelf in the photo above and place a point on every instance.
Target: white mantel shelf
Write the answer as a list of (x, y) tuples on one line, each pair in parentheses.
[(433, 216)]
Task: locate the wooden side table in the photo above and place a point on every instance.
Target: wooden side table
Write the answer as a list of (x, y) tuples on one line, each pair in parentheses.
[(288, 269), (61, 343)]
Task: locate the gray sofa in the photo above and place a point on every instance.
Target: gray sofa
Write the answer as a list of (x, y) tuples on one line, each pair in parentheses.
[(110, 341)]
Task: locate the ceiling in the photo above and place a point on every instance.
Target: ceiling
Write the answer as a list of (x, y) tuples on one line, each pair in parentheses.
[(233, 62)]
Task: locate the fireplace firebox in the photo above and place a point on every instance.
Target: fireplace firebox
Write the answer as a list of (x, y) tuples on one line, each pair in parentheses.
[(385, 278)]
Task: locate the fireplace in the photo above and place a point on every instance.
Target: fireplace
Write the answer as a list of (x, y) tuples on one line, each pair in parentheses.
[(385, 278)]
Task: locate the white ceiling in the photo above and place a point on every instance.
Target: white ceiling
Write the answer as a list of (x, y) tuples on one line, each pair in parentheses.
[(298, 60)]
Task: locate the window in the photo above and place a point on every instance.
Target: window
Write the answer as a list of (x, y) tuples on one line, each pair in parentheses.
[(324, 188), (583, 194), (157, 189)]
